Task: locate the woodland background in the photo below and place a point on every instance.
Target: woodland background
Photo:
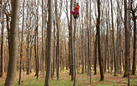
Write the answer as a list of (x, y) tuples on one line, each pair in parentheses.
[(41, 37)]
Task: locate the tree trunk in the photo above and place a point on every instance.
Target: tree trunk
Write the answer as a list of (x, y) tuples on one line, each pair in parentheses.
[(82, 51), (49, 36), (54, 53), (2, 46), (99, 51), (115, 73), (37, 71), (35, 50), (21, 51), (118, 38), (126, 40), (88, 53), (57, 48), (74, 53), (134, 45), (28, 58), (95, 52), (43, 59), (107, 48), (13, 44), (90, 45), (70, 44)]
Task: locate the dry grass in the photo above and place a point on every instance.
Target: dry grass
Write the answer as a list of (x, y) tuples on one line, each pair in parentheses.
[(82, 80)]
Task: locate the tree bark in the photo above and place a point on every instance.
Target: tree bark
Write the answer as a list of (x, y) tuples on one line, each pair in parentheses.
[(21, 51), (49, 36), (95, 52), (90, 46), (2, 44), (128, 38), (70, 44), (13, 44), (57, 48), (82, 50), (127, 41), (99, 51), (134, 45), (74, 53), (43, 59), (115, 73), (37, 33)]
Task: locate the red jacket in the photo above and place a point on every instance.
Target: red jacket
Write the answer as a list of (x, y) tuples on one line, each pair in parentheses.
[(77, 8)]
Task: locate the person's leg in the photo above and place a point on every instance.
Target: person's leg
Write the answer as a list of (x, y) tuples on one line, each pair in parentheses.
[(77, 13), (72, 12)]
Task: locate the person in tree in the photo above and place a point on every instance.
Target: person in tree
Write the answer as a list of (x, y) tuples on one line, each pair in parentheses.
[(77, 10)]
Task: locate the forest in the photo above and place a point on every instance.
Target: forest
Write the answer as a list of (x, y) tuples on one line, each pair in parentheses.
[(68, 42)]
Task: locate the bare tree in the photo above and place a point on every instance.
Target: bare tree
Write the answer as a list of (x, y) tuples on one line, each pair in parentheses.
[(49, 36), (57, 49), (90, 44), (127, 40), (70, 44), (115, 73), (21, 51), (134, 45), (2, 42), (43, 59), (13, 44), (99, 51)]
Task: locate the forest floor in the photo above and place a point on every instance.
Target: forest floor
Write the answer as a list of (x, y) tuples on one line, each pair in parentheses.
[(82, 80)]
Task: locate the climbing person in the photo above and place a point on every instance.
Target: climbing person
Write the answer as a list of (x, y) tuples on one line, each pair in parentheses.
[(76, 10)]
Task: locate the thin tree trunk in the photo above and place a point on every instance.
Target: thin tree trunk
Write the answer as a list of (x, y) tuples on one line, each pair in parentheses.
[(134, 45), (126, 41), (70, 44), (74, 54), (128, 38), (57, 51), (2, 45), (49, 36), (98, 33), (28, 58), (107, 48), (88, 53), (21, 51), (95, 52), (90, 45), (54, 55), (82, 50), (43, 59), (115, 73), (37, 40), (35, 50)]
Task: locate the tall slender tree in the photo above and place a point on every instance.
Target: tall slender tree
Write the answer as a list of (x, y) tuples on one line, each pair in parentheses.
[(37, 34), (49, 36), (99, 51), (134, 45), (13, 44), (115, 73), (126, 40), (43, 59), (90, 44), (57, 49), (21, 51), (95, 53), (70, 44), (74, 52), (2, 42)]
